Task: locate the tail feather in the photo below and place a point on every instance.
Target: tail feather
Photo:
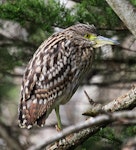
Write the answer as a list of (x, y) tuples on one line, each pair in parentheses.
[(31, 112)]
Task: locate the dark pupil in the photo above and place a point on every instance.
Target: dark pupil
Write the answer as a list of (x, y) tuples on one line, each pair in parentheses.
[(87, 35)]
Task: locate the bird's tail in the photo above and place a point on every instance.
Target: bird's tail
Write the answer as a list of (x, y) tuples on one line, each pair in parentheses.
[(31, 112)]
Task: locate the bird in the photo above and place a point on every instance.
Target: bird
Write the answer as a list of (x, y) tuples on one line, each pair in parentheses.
[(55, 72)]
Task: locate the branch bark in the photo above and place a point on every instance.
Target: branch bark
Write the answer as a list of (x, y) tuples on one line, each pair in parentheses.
[(94, 123), (127, 101), (88, 128), (126, 12)]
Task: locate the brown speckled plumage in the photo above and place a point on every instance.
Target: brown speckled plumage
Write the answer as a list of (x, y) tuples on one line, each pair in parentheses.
[(54, 73)]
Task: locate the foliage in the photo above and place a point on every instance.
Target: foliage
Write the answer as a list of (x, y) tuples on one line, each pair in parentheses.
[(109, 136), (34, 14), (133, 2), (98, 13)]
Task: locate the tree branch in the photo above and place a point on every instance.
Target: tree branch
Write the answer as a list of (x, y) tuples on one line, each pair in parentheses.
[(126, 101), (91, 126), (86, 129), (126, 12)]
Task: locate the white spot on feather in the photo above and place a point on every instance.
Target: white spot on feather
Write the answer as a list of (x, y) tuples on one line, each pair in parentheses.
[(40, 101), (59, 79), (34, 78), (50, 76), (27, 83), (59, 93), (59, 56), (45, 101), (65, 60), (47, 86), (45, 58), (57, 71), (38, 69), (61, 65), (41, 125), (41, 77), (51, 84), (40, 84), (55, 82), (44, 86), (44, 70), (67, 53), (23, 116), (24, 121), (38, 62), (29, 103), (21, 88), (52, 62), (62, 78), (54, 73), (57, 88), (24, 107), (26, 90), (67, 43), (29, 126), (35, 101)]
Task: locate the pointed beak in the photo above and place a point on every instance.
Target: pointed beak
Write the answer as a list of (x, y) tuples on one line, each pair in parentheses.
[(101, 41)]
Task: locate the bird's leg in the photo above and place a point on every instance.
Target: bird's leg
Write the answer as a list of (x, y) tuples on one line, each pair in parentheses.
[(59, 126)]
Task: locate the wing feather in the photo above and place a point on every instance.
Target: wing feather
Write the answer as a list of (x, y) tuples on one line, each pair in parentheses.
[(55, 69), (42, 83)]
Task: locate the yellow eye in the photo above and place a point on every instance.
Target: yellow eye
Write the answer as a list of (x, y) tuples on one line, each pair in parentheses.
[(87, 36), (90, 36)]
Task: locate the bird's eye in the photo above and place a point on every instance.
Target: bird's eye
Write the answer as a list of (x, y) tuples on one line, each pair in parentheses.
[(90, 36), (87, 36)]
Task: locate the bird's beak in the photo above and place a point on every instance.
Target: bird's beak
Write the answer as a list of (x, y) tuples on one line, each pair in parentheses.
[(101, 41)]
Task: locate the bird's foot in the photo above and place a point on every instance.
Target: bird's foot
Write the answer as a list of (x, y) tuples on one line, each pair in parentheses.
[(58, 129)]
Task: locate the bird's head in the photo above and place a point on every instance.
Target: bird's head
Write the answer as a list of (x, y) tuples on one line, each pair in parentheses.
[(99, 41), (89, 32)]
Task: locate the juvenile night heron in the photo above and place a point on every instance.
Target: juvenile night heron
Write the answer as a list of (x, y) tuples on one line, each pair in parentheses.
[(55, 72)]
